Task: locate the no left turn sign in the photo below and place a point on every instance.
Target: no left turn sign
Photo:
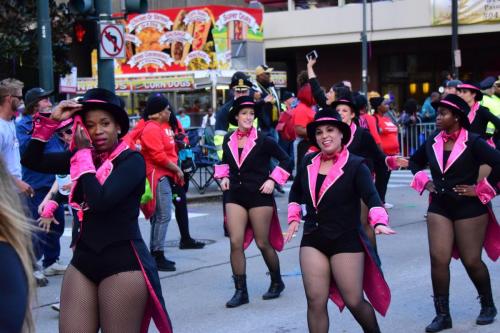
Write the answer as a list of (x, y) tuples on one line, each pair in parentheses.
[(111, 41)]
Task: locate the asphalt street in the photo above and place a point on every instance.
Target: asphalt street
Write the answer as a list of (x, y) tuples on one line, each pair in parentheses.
[(196, 293)]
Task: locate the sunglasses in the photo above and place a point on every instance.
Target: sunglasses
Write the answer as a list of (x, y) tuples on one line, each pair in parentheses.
[(69, 131)]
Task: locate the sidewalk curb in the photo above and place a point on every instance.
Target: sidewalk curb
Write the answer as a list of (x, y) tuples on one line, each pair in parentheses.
[(200, 198)]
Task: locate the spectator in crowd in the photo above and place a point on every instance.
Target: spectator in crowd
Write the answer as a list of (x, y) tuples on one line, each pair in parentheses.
[(427, 113), (391, 112), (388, 132), (288, 106), (184, 118), (17, 288), (303, 114), (46, 245), (196, 108), (366, 119), (408, 119), (209, 118), (451, 87)]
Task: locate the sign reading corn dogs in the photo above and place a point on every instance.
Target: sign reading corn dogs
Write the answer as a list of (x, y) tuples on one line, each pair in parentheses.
[(187, 39), (142, 84)]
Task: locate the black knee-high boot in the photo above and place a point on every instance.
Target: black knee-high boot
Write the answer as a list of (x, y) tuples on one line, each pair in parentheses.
[(240, 296), (276, 287), (442, 320), (488, 310)]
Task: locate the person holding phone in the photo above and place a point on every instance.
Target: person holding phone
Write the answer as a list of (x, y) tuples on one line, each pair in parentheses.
[(112, 281), (250, 205), (334, 259)]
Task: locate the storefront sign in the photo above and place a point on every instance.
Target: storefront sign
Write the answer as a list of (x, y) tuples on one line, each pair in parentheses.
[(469, 11), (178, 32), (150, 20), (142, 84)]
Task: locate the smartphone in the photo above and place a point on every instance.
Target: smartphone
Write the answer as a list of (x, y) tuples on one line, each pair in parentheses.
[(312, 55)]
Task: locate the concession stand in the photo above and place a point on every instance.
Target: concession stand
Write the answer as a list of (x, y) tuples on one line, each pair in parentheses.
[(187, 53)]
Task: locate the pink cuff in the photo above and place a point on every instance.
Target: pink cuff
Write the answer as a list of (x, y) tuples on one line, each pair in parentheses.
[(491, 142), (81, 163), (43, 128), (378, 215), (294, 211), (485, 192), (391, 162), (419, 181), (279, 175), (49, 209), (221, 171)]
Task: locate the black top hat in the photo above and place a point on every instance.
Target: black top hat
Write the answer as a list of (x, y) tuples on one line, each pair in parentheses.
[(328, 116), (33, 95), (156, 103), (102, 99), (474, 88), (240, 103), (456, 105), (347, 100)]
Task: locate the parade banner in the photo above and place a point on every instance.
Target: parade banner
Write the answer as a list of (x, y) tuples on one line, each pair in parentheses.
[(469, 11), (142, 84), (187, 39)]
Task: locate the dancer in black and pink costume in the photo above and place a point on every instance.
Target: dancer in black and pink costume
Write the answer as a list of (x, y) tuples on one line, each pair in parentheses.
[(112, 282), (460, 221)]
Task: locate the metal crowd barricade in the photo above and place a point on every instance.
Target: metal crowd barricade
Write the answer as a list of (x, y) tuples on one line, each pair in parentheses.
[(411, 137)]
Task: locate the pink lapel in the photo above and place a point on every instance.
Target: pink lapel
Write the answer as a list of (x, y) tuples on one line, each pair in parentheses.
[(249, 144), (353, 130), (334, 173), (472, 112), (106, 167), (458, 148), (438, 147), (312, 176)]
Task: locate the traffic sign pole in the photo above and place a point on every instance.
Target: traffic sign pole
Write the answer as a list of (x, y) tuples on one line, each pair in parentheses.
[(45, 67), (105, 67)]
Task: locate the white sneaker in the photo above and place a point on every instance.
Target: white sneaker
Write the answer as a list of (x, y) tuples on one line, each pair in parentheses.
[(56, 307), (55, 269), (41, 280), (388, 205)]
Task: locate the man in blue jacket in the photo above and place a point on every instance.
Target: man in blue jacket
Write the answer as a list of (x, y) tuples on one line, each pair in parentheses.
[(46, 245)]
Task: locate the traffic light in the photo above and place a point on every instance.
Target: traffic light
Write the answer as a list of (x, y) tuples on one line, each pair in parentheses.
[(82, 7), (85, 33), (136, 6)]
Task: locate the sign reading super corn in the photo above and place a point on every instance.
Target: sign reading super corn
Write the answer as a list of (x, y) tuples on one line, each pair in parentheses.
[(469, 11)]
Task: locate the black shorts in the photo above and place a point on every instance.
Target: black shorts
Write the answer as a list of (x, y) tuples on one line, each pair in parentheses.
[(115, 258), (248, 199), (456, 208), (348, 242)]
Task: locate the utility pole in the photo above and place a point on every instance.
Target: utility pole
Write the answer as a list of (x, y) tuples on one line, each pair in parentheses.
[(455, 52), (364, 54), (105, 67), (45, 66)]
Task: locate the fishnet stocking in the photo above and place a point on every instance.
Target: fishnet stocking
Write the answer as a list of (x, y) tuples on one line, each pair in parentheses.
[(347, 270), (122, 301), (237, 219), (79, 307), (260, 218)]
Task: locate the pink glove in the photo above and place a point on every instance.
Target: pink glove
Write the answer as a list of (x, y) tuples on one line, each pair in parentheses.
[(43, 127), (49, 209), (81, 163)]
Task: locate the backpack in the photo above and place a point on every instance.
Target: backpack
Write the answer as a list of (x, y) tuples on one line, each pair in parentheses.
[(286, 126)]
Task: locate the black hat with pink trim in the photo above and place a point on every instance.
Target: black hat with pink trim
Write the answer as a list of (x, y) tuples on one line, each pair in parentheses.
[(102, 99), (473, 88), (239, 104), (328, 116), (457, 105), (347, 100)]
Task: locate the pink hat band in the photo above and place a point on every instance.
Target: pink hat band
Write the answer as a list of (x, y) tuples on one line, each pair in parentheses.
[(467, 86), (451, 104), (327, 118)]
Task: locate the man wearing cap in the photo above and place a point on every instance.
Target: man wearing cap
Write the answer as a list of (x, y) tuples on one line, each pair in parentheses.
[(269, 100), (451, 87), (491, 99), (46, 245)]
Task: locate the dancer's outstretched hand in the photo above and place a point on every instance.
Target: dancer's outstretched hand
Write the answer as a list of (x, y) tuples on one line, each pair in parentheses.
[(293, 227), (384, 229)]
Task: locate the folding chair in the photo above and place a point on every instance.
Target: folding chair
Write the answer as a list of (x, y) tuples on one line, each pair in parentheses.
[(205, 157)]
